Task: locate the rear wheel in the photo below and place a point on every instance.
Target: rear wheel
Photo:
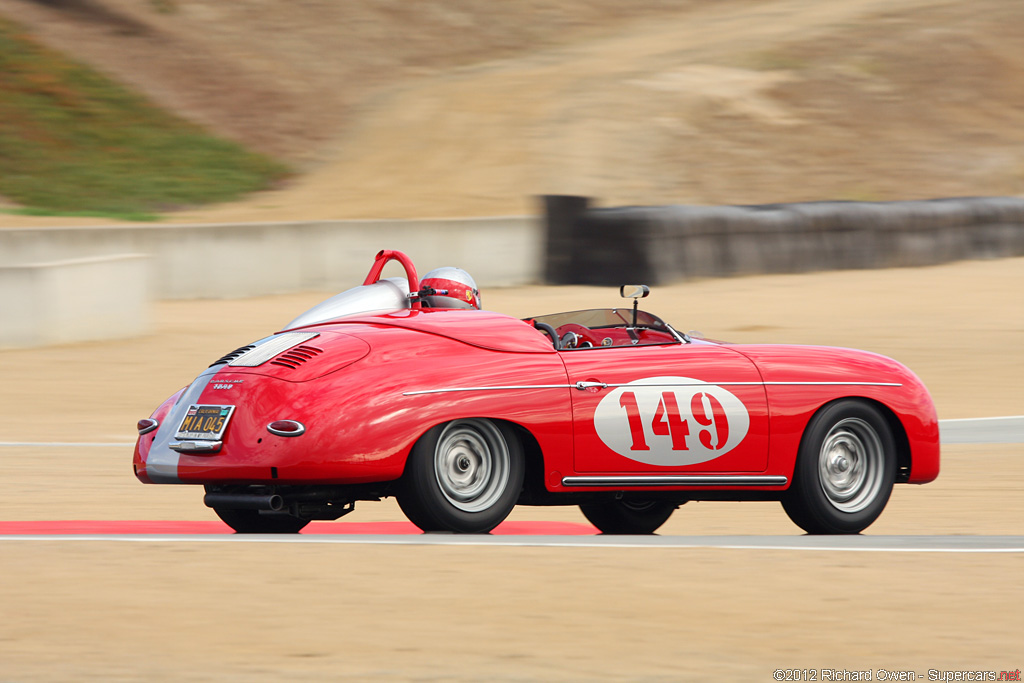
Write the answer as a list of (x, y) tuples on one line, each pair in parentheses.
[(464, 476), (252, 522), (844, 471), (628, 516)]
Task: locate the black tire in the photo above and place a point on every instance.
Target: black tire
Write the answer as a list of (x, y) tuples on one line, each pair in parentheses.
[(845, 470), (464, 476), (252, 522), (628, 516)]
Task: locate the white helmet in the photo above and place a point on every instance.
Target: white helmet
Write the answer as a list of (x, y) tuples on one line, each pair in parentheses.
[(449, 288)]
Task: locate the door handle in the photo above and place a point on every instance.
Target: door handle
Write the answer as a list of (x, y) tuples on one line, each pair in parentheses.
[(583, 386)]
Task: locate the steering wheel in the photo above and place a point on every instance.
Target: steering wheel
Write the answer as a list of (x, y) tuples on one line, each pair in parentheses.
[(550, 331), (570, 340)]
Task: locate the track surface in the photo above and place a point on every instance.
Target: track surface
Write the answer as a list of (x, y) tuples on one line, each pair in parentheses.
[(729, 591), (513, 533)]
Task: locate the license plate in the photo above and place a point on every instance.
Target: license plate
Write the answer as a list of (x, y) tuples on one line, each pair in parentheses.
[(204, 422)]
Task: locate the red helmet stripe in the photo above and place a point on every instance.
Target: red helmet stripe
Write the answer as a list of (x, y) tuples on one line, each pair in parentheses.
[(456, 290)]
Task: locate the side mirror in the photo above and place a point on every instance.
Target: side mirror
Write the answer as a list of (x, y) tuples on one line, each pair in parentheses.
[(634, 291)]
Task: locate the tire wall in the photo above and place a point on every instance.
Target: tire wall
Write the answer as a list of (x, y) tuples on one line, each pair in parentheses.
[(656, 245)]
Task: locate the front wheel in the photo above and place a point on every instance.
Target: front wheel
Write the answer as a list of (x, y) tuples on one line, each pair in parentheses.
[(844, 472), (464, 476), (628, 516)]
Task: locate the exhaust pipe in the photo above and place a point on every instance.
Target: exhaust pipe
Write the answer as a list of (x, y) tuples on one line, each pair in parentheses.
[(244, 501)]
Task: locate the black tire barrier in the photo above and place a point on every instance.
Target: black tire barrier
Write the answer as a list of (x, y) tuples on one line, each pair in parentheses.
[(655, 245)]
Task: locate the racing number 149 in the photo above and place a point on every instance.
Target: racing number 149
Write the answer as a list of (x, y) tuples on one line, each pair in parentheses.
[(707, 411)]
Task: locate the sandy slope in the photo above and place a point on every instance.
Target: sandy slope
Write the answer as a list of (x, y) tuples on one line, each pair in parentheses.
[(473, 108), (106, 611)]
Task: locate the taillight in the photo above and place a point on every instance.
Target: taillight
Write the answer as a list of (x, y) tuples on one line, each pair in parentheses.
[(148, 425), (286, 428)]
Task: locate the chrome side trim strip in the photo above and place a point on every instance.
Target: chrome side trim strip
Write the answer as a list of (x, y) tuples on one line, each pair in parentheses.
[(666, 384), (827, 384), (677, 480), (514, 387)]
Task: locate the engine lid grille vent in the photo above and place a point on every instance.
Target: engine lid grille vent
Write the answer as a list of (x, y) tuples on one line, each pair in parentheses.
[(233, 355), (295, 357), (264, 350)]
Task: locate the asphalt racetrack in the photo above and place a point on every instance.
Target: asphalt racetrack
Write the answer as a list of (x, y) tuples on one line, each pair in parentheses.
[(107, 579)]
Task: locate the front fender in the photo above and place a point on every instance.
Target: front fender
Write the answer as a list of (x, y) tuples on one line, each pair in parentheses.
[(800, 380)]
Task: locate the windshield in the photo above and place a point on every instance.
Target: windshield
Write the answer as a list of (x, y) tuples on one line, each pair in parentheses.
[(608, 327), (600, 318)]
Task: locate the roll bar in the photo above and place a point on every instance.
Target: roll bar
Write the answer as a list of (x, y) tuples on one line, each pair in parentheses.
[(382, 259)]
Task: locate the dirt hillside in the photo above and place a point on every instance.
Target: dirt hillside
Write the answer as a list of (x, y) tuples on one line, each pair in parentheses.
[(471, 107)]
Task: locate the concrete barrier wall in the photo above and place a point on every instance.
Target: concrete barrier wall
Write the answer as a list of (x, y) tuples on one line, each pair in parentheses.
[(62, 284), (74, 300), (662, 244), (226, 261)]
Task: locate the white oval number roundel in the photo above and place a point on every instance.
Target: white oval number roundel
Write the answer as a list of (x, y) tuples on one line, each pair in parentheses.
[(671, 421)]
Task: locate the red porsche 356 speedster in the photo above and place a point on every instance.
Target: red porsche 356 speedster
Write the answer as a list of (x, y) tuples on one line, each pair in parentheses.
[(405, 387)]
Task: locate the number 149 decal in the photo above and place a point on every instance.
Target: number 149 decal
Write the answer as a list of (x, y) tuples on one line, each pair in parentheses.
[(671, 421), (707, 411)]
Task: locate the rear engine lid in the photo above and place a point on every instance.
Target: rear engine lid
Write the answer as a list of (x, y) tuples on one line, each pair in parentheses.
[(296, 356)]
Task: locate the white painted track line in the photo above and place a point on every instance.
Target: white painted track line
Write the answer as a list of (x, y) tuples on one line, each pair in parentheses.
[(913, 544)]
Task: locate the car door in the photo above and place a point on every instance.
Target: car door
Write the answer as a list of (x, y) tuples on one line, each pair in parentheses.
[(690, 408)]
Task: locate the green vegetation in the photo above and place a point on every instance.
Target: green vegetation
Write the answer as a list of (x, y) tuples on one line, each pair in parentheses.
[(72, 141), (164, 6), (774, 60)]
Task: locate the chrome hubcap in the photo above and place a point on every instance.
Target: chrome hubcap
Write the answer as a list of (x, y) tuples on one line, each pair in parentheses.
[(850, 465), (472, 464)]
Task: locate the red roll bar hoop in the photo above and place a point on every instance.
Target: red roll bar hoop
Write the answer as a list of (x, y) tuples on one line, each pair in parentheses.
[(382, 259)]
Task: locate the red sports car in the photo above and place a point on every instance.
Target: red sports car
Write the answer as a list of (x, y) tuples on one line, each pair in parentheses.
[(405, 387)]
